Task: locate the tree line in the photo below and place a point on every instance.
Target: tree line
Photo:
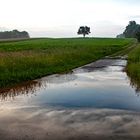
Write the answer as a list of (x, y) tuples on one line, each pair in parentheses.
[(14, 34), (132, 30)]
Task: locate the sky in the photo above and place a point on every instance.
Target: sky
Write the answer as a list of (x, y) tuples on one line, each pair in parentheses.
[(62, 18)]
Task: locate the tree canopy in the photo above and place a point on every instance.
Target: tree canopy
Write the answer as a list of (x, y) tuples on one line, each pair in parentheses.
[(132, 30), (14, 34), (84, 30)]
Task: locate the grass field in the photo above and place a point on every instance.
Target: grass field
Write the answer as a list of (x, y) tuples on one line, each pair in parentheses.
[(30, 59), (133, 67)]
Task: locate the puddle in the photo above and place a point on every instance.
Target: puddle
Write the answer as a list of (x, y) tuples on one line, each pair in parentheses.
[(103, 84), (95, 101)]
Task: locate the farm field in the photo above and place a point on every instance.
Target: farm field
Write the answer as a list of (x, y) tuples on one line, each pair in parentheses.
[(25, 60)]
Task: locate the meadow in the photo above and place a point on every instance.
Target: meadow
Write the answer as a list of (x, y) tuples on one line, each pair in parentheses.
[(133, 67), (25, 60)]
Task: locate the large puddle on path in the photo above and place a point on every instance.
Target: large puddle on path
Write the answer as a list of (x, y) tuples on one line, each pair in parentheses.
[(103, 84), (95, 101)]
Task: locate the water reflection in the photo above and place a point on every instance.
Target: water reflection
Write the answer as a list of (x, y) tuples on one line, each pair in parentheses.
[(69, 124), (21, 89), (58, 79), (94, 102), (101, 64), (134, 82), (32, 87), (104, 85)]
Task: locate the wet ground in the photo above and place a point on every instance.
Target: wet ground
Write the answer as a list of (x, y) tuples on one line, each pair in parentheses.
[(94, 102)]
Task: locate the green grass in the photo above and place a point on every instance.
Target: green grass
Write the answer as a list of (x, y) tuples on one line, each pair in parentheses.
[(133, 67), (30, 59)]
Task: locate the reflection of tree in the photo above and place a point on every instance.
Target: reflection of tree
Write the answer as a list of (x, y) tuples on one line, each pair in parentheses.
[(32, 87), (22, 89), (134, 82)]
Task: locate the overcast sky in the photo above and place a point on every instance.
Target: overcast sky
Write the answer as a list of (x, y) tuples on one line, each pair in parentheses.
[(61, 18)]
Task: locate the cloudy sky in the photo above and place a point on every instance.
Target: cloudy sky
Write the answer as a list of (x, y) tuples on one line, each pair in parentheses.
[(61, 18)]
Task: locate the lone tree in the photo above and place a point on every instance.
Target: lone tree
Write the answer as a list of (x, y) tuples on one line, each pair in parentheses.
[(84, 30)]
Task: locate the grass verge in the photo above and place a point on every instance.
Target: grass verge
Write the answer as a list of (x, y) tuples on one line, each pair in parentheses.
[(133, 67)]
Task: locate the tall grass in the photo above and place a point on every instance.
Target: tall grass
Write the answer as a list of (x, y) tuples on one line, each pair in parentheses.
[(30, 59), (133, 67)]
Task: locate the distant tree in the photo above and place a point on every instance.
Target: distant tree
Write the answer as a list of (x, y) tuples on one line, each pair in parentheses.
[(84, 30), (120, 36), (131, 30)]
